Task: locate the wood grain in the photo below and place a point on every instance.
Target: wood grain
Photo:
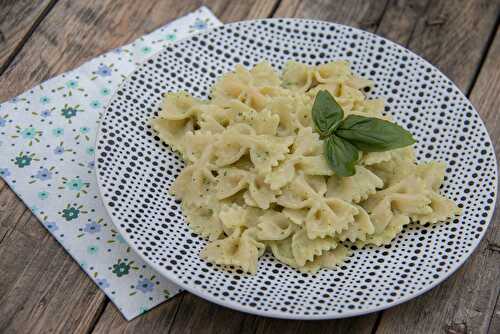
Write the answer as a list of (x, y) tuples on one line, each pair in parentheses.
[(356, 13), (454, 35), (494, 326), (197, 315), (17, 19), (76, 31), (400, 18), (465, 302), (38, 277), (43, 290), (157, 320)]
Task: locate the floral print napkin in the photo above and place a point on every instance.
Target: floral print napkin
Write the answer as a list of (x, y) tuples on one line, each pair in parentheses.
[(47, 138)]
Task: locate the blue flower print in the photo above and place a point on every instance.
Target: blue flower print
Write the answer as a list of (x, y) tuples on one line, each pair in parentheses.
[(43, 195), (4, 172), (92, 228), (28, 133), (117, 50), (72, 212), (105, 92), (200, 24), (44, 100), (72, 84), (24, 159), (3, 121), (170, 37), (90, 150), (69, 112), (145, 49), (102, 283), (51, 226), (92, 249), (74, 184), (95, 104), (103, 71), (59, 150), (57, 132), (120, 239), (43, 174), (46, 113), (144, 285), (91, 164)]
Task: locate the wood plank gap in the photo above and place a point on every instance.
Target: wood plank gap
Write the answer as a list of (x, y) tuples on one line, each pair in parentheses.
[(493, 313), (25, 38), (97, 316), (182, 294), (484, 55), (274, 8), (13, 228), (377, 322), (381, 17)]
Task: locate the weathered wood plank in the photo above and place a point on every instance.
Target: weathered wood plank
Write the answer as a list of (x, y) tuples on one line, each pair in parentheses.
[(42, 289), (11, 208), (157, 320), (356, 13), (17, 19), (465, 302), (453, 35), (196, 315), (400, 18), (76, 31), (494, 326), (358, 325)]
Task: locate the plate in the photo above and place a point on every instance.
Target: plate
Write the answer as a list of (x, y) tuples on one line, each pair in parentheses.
[(135, 170)]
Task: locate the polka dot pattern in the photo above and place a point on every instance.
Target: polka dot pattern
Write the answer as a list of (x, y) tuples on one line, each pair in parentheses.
[(135, 169)]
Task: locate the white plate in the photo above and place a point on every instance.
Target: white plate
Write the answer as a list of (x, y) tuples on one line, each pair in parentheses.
[(135, 170)]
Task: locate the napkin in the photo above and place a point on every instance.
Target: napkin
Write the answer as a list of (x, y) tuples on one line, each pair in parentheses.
[(47, 137)]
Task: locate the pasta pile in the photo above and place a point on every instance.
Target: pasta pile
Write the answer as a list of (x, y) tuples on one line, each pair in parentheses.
[(256, 178)]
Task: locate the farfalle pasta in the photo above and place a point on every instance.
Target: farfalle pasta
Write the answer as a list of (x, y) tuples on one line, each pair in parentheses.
[(256, 178)]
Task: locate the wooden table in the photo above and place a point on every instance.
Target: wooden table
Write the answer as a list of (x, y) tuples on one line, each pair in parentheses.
[(43, 290)]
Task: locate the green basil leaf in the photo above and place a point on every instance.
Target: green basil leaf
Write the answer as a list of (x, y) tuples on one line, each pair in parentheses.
[(326, 112), (341, 155), (370, 134)]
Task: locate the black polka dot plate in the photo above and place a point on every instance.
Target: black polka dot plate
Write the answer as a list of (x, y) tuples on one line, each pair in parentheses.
[(135, 170)]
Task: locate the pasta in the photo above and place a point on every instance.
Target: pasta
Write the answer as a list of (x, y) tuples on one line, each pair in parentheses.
[(256, 178)]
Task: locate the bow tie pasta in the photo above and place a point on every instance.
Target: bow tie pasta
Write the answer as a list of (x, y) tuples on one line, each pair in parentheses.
[(256, 179)]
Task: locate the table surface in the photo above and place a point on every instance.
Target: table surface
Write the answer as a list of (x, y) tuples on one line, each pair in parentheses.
[(43, 290)]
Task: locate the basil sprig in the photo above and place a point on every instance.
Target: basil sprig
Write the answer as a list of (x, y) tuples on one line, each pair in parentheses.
[(344, 138)]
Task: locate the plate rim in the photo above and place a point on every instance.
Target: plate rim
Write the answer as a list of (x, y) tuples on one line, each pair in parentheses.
[(277, 313)]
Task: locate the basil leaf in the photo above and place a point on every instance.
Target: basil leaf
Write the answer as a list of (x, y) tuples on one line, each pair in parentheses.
[(373, 134), (326, 112), (341, 155)]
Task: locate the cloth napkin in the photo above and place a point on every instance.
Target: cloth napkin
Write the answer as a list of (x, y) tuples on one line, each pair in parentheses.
[(47, 137)]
